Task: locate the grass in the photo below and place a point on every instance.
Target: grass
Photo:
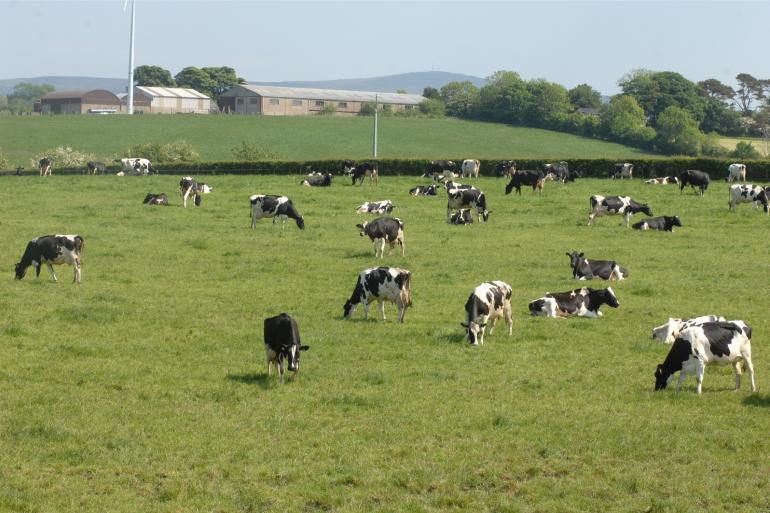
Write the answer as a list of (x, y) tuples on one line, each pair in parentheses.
[(296, 138), (144, 388), (760, 144)]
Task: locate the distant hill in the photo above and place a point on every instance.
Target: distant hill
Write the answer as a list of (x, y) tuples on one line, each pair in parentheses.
[(410, 82), (116, 85)]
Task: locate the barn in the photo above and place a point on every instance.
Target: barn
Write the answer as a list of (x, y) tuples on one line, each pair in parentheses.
[(300, 101), (168, 100), (97, 101)]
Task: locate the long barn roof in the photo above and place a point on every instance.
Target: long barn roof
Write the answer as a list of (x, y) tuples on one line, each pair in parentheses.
[(306, 93), (171, 92)]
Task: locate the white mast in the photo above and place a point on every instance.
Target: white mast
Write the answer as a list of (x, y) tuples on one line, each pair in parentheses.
[(130, 100)]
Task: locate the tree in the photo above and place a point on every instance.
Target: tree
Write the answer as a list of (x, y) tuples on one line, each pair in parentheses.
[(678, 132), (720, 118), (153, 76), (504, 99), (655, 91), (716, 90), (459, 98), (195, 78), (433, 107), (585, 96), (623, 120), (25, 95), (745, 150), (223, 78), (431, 93), (549, 104), (749, 90)]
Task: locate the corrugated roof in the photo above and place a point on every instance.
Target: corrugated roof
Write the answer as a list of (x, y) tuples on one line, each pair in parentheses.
[(333, 94), (68, 95), (171, 92)]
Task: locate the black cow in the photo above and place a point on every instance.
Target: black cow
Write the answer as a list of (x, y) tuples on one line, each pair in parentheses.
[(693, 178), (96, 167), (282, 342), (458, 199), (50, 250), (505, 168), (585, 269), (45, 165), (188, 187), (277, 207), (601, 205), (364, 170), (437, 167), (423, 190), (382, 230), (462, 216), (535, 179), (665, 223), (156, 199), (584, 302)]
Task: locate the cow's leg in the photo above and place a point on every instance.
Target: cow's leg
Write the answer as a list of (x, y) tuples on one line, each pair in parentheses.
[(37, 269), (627, 217), (749, 368), (448, 215), (508, 317), (253, 218), (699, 376), (76, 265), (737, 372), (366, 308), (185, 194), (382, 309), (401, 309), (380, 246), (682, 375), (494, 321), (53, 273), (591, 217), (403, 246)]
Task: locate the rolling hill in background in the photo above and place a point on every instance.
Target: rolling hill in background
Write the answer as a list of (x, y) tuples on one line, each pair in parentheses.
[(116, 85)]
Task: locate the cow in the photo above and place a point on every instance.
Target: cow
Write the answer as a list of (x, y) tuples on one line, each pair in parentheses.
[(282, 342), (155, 199), (662, 180), (663, 223), (93, 168), (348, 166), (451, 184), (666, 333), (381, 284), (363, 170), (137, 166), (505, 168), (52, 250), (560, 172), (382, 230), (487, 302), (693, 178), (748, 193), (710, 343), (583, 302), (601, 205), (324, 180), (470, 168), (376, 207), (585, 269), (462, 216), (736, 172), (277, 207), (437, 167), (423, 190), (536, 179), (188, 187), (458, 199), (623, 170), (45, 165)]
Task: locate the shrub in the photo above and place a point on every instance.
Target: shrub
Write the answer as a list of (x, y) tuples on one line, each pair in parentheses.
[(712, 147), (745, 150), (65, 156), (169, 153), (4, 162), (367, 109), (250, 152), (329, 109)]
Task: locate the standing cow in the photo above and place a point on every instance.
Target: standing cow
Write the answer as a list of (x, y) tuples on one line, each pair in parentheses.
[(694, 178), (381, 284), (623, 170), (52, 250), (363, 170), (282, 342), (45, 165), (613, 205), (736, 172), (382, 230), (93, 168), (277, 207), (189, 187), (470, 168), (748, 193), (458, 199), (488, 302), (535, 179)]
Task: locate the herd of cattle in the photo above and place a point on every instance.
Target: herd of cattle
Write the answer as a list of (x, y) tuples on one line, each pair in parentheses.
[(695, 343)]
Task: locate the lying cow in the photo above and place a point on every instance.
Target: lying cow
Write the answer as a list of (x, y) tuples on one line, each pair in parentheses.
[(667, 332), (282, 342), (748, 193), (381, 284), (45, 165), (382, 230), (137, 166), (324, 180), (612, 205), (711, 343), (535, 179), (367, 169), (585, 269), (376, 207), (662, 180), (694, 178), (189, 187), (423, 190), (470, 168), (736, 172), (462, 216), (93, 168), (52, 250), (487, 302), (623, 170), (156, 199), (583, 302), (458, 199), (277, 207), (663, 223)]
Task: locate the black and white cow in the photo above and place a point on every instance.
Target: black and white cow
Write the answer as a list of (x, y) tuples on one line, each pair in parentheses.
[(748, 193), (662, 180), (535, 179), (462, 216), (666, 333), (663, 223), (487, 303), (324, 180), (694, 178), (282, 342), (423, 190), (451, 184), (623, 170), (458, 199), (505, 168), (560, 172), (587, 269), (137, 166), (156, 199), (93, 168), (711, 343), (277, 207), (736, 172), (45, 165), (189, 187), (52, 250), (348, 166), (470, 168), (601, 205), (583, 302), (376, 207), (382, 230), (437, 167), (363, 170), (381, 284)]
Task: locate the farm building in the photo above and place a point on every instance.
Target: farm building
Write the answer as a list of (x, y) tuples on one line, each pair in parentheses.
[(98, 101), (298, 101), (168, 100)]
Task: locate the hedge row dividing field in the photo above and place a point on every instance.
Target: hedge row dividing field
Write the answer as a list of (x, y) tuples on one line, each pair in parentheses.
[(144, 388)]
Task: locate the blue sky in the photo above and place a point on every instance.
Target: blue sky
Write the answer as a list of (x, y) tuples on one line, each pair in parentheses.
[(569, 42)]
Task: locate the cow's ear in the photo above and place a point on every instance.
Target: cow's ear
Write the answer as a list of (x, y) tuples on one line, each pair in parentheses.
[(463, 325), (581, 255), (567, 254), (360, 226), (304, 348)]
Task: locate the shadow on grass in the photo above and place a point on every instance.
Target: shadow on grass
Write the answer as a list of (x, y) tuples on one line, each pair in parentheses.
[(763, 401), (358, 254), (253, 378), (453, 338)]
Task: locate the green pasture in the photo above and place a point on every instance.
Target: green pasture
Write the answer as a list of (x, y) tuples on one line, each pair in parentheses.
[(144, 388), (296, 138)]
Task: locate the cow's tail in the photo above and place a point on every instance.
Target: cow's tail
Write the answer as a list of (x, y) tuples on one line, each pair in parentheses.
[(406, 288)]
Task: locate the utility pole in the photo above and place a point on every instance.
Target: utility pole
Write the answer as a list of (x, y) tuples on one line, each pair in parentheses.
[(130, 98), (374, 136)]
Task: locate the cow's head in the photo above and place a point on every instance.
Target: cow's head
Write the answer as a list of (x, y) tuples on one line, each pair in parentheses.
[(362, 228), (675, 221), (646, 209), (348, 309), (472, 330), (300, 223), (610, 298), (574, 259), (293, 356), (21, 270), (662, 377)]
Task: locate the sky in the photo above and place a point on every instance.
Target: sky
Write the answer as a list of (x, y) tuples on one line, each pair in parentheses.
[(568, 42)]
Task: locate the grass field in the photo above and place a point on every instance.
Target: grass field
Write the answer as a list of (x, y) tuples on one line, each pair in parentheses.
[(296, 138), (144, 388), (761, 145)]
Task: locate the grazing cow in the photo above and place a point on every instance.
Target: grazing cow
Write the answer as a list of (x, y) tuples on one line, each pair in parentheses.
[(364, 170), (536, 179), (470, 168), (585, 269), (277, 207), (50, 250), (45, 165), (662, 180), (748, 193), (381, 284), (623, 170), (710, 343), (382, 230), (376, 207), (583, 302), (667, 332), (348, 166), (189, 187), (156, 199), (423, 190), (736, 172), (282, 342), (693, 178), (664, 223), (137, 166), (601, 205), (324, 180), (505, 168), (93, 168), (458, 199), (560, 172), (487, 302), (462, 216)]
